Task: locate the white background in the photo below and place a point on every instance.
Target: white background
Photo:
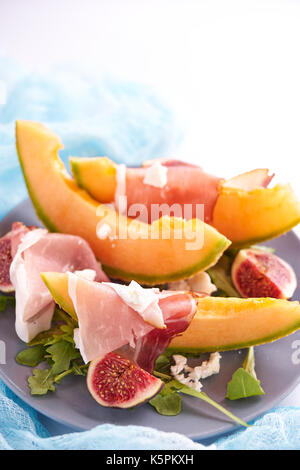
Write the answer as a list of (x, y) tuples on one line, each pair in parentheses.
[(230, 70)]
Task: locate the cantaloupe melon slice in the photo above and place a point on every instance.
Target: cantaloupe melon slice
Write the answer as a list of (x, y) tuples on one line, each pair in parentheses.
[(249, 217), (133, 250), (219, 324), (245, 217)]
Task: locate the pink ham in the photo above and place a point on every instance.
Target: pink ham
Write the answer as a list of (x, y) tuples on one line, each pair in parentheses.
[(38, 251), (178, 315), (107, 323), (187, 184)]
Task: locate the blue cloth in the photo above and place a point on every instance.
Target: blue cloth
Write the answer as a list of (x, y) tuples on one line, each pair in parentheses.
[(128, 123)]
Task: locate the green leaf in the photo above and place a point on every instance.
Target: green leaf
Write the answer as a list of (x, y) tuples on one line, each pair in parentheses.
[(243, 385), (167, 405), (210, 401), (62, 353), (249, 362), (244, 382), (79, 370), (174, 387), (41, 382), (31, 356), (4, 301), (163, 363), (46, 336), (221, 276)]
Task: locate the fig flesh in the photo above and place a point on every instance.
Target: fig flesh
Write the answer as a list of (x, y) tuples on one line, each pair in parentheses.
[(115, 381), (257, 273), (8, 247), (5, 262)]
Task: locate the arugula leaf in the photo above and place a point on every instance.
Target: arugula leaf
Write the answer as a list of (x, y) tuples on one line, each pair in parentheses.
[(4, 301), (56, 347), (244, 382), (62, 353), (76, 369), (249, 362), (163, 363), (210, 401), (32, 356), (165, 405), (221, 277), (45, 336), (41, 382)]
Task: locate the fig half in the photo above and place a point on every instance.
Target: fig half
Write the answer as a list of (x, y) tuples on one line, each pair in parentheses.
[(256, 273), (5, 262), (115, 381)]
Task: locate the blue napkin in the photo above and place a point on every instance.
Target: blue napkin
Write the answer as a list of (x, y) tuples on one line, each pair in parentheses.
[(128, 123)]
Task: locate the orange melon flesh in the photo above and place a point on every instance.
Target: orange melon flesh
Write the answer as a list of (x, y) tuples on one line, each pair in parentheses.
[(245, 217), (136, 250), (249, 217), (231, 323), (99, 180), (219, 324)]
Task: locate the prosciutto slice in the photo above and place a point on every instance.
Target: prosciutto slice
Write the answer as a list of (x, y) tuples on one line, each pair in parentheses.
[(36, 251), (186, 184), (187, 187), (107, 323), (178, 315)]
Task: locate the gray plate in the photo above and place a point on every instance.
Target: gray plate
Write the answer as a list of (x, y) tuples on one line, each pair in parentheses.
[(72, 405)]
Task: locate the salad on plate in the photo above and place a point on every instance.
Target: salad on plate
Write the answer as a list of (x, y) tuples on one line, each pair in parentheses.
[(139, 271)]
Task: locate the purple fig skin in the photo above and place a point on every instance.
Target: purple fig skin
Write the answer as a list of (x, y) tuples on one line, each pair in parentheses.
[(117, 382), (256, 273), (5, 262)]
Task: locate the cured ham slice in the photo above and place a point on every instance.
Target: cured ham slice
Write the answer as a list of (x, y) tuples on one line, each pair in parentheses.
[(178, 188), (107, 323), (37, 251), (178, 314), (185, 184)]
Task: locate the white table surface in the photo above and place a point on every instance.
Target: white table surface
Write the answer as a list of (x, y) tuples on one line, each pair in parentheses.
[(229, 70)]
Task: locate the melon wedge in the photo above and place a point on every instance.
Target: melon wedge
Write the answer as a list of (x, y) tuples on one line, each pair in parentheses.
[(222, 324), (219, 324), (249, 217), (135, 250), (245, 216)]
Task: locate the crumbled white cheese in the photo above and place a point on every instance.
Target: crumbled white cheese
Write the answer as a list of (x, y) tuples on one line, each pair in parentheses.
[(156, 175), (191, 376), (199, 283), (143, 301), (103, 231), (180, 363), (88, 274)]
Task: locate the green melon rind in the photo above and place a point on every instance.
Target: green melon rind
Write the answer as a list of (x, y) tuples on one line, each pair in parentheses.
[(230, 347), (75, 170), (210, 260)]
